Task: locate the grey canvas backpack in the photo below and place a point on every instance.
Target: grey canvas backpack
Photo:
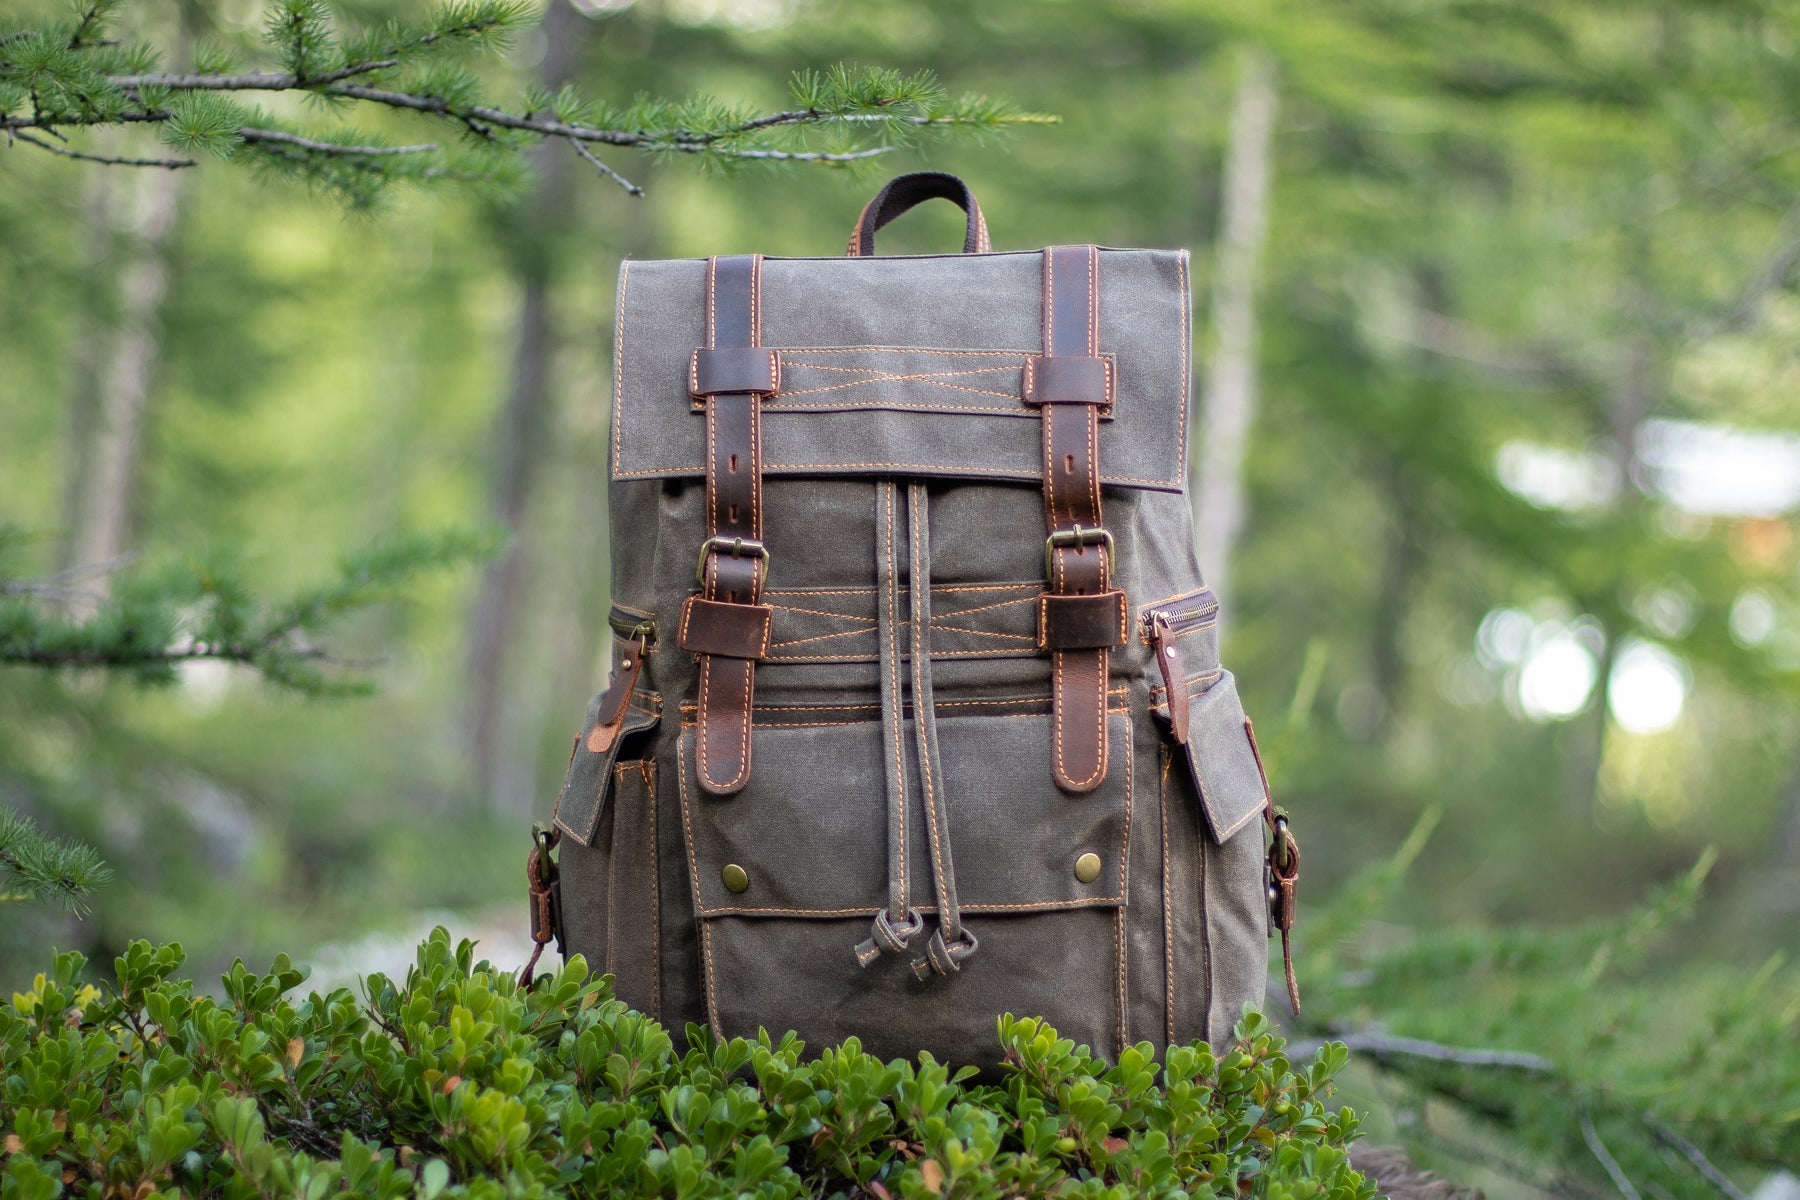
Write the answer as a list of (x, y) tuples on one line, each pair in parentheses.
[(916, 715)]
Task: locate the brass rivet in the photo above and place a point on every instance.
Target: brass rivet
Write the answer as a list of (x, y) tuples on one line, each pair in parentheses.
[(737, 879), (1087, 867)]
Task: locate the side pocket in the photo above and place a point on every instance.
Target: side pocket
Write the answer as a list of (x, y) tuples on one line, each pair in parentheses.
[(588, 784), (606, 813), (633, 947), (1226, 775)]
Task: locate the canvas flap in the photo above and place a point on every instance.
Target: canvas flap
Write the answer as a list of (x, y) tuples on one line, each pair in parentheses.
[(908, 366)]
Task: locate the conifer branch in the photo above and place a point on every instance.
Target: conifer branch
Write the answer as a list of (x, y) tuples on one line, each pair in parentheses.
[(69, 78), (277, 137), (150, 622), (36, 866), (606, 171), (172, 164)]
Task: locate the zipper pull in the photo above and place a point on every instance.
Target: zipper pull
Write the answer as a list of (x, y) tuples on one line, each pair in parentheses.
[(613, 705), (1168, 661)]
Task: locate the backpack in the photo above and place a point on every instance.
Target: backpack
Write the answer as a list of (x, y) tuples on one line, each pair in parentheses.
[(916, 715)]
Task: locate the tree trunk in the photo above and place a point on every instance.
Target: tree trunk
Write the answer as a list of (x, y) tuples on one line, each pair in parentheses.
[(520, 443), (125, 370), (1228, 397)]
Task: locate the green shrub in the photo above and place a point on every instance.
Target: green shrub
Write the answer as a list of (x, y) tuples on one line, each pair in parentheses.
[(457, 1083)]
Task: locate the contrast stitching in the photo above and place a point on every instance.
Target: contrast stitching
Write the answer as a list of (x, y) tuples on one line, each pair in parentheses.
[(824, 637), (1168, 919), (619, 368), (1187, 335), (1012, 637), (820, 612), (969, 612), (934, 468)]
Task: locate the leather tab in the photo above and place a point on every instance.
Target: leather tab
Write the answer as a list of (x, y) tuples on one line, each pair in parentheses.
[(1174, 677), (753, 369), (618, 692), (1081, 622), (726, 629), (1068, 379)]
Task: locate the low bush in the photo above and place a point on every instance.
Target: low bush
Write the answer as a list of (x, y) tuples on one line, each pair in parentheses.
[(459, 1083)]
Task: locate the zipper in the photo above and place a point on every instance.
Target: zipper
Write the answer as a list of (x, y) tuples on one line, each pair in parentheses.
[(1163, 627), (1184, 616), (632, 626)]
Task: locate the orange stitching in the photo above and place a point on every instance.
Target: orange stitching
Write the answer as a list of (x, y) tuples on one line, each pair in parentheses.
[(882, 375), (1186, 383), (649, 773), (969, 612), (1073, 905), (819, 612), (819, 592), (1168, 919), (618, 413), (978, 472), (823, 637), (1011, 637)]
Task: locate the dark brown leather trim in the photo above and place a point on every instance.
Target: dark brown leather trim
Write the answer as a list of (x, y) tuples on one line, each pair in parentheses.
[(733, 369), (1081, 622), (733, 518), (1068, 379), (903, 193), (1079, 565), (1174, 675), (719, 627), (614, 702)]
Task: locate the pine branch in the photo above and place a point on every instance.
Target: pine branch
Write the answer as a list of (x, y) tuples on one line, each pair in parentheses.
[(36, 866), (56, 79), (277, 137), (149, 623), (173, 164)]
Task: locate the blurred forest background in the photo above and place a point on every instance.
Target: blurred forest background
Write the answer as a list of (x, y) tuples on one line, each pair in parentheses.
[(1503, 296)]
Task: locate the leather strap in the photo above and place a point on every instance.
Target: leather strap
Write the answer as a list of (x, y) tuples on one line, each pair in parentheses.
[(616, 700), (721, 624), (907, 191), (1078, 553)]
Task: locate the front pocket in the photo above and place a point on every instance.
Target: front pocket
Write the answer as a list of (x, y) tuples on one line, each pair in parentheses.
[(788, 874)]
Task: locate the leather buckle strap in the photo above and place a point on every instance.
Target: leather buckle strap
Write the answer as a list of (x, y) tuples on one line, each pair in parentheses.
[(733, 563), (1080, 616), (713, 372), (1068, 379)]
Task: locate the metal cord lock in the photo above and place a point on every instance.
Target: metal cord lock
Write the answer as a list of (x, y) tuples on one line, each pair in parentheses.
[(737, 547), (1080, 535)]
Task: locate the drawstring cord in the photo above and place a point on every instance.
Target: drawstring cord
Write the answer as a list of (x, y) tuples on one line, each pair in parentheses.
[(950, 942), (894, 927)]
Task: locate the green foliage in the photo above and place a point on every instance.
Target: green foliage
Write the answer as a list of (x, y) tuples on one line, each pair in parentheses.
[(73, 75), (1548, 1041), (153, 619), (36, 866), (457, 1083)]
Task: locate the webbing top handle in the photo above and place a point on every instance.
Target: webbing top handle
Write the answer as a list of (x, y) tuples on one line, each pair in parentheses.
[(904, 193)]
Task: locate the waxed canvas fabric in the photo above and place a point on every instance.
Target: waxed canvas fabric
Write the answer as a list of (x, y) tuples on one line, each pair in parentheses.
[(899, 421)]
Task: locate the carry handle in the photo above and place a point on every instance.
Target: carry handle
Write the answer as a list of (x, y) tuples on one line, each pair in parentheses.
[(906, 191)]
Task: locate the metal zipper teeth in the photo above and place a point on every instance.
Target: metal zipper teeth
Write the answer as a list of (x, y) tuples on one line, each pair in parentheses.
[(1181, 619), (631, 626)]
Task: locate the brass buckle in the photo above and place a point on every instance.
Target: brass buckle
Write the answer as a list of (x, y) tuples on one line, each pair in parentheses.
[(1080, 535), (737, 546)]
